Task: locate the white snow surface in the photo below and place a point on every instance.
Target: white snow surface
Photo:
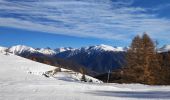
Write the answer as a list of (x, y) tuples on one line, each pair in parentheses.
[(2, 49), (21, 79)]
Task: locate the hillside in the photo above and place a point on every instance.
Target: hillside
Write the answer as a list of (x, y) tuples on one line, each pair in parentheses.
[(15, 65), (22, 79)]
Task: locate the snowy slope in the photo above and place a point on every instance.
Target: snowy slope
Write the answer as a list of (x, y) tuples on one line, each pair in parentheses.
[(20, 79), (2, 49), (27, 66)]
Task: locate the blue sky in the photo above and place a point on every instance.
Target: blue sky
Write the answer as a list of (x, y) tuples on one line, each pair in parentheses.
[(76, 23)]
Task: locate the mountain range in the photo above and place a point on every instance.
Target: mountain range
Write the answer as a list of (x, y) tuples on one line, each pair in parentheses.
[(18, 49), (98, 58)]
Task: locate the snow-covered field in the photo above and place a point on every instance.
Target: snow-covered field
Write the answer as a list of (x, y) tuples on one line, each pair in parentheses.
[(21, 79)]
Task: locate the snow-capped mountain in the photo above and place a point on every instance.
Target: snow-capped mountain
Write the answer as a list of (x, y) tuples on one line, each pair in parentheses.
[(63, 49), (92, 57), (93, 49), (18, 49), (103, 48), (47, 51), (98, 58), (165, 48)]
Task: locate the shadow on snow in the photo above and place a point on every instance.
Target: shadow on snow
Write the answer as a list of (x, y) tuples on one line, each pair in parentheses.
[(133, 94)]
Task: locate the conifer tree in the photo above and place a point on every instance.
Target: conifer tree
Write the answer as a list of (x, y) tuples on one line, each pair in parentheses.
[(133, 71), (142, 61), (152, 65)]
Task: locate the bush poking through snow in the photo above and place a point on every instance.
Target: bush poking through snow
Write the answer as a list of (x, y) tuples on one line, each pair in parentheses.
[(45, 75), (90, 80), (6, 52), (52, 72), (83, 78), (56, 70)]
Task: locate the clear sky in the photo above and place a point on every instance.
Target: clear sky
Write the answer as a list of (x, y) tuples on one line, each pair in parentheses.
[(76, 23)]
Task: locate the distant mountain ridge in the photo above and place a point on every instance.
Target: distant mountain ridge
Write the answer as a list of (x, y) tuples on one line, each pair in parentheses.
[(98, 58), (18, 49)]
